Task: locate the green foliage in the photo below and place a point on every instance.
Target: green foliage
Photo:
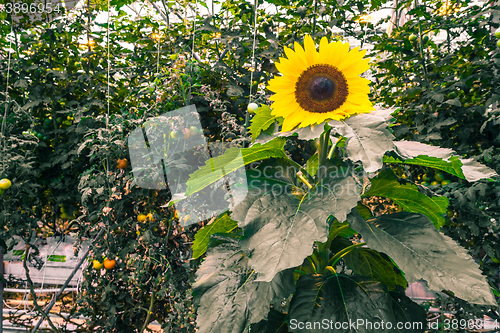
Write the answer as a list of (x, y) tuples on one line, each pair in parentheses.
[(419, 250), (229, 292), (371, 263), (223, 224), (408, 197), (234, 159), (59, 143), (348, 299), (262, 122)]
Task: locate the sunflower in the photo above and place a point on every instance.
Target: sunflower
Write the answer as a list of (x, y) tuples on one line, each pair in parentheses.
[(320, 86)]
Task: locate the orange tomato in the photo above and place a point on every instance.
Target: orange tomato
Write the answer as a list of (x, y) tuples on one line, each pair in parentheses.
[(122, 163), (109, 264)]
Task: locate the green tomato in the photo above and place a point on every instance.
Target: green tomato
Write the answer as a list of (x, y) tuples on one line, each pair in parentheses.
[(424, 184), (174, 135), (39, 135), (425, 39), (439, 176), (194, 130), (426, 178), (412, 38), (498, 43), (59, 121), (450, 213), (445, 182), (47, 121), (497, 33), (434, 183)]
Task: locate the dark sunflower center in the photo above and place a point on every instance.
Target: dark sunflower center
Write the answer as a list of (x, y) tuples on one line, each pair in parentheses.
[(321, 88)]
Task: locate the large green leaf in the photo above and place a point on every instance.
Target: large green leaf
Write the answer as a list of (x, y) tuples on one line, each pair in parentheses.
[(368, 139), (422, 252), (222, 224), (471, 169), (262, 120), (357, 302), (312, 165), (274, 324), (232, 160), (280, 229), (408, 197), (227, 294), (453, 166), (370, 263)]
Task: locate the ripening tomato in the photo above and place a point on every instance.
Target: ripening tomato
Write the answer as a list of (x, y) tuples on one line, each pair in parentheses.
[(97, 264), (5, 184), (109, 263), (122, 163)]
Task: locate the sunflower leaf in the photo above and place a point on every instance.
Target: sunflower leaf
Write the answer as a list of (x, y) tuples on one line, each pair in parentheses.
[(274, 324), (262, 120), (232, 160), (472, 170), (356, 299), (370, 263), (422, 252), (368, 139), (280, 229), (223, 224), (453, 166), (227, 294), (312, 165), (408, 197)]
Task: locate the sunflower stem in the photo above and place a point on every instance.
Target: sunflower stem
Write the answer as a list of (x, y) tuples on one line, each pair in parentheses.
[(301, 177), (324, 141)]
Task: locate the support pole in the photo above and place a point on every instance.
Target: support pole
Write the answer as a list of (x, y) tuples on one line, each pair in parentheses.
[(1, 290), (51, 304)]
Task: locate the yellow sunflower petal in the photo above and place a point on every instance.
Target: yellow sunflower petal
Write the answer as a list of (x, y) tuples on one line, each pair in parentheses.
[(310, 50), (354, 56), (295, 59), (357, 67), (288, 67), (301, 54), (324, 51), (338, 51), (281, 83)]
